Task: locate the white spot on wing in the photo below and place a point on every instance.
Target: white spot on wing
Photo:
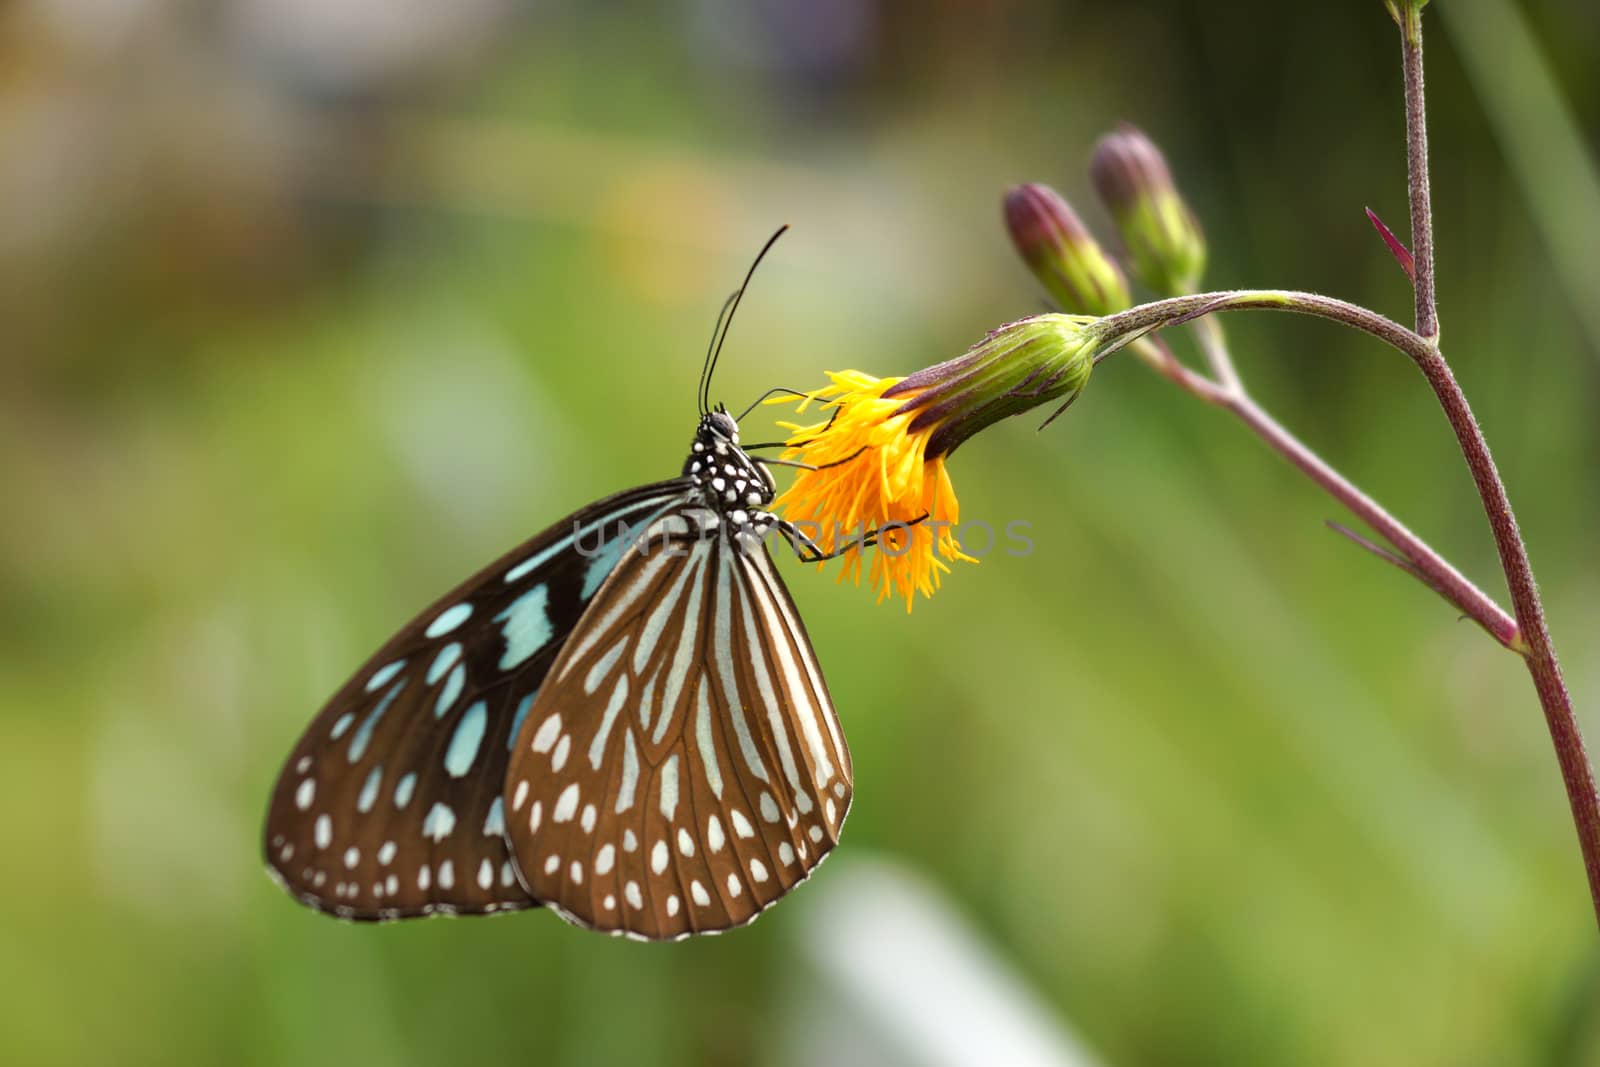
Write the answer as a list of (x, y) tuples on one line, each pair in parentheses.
[(597, 747), (566, 804), (702, 739), (602, 666), (669, 787), (630, 774), (545, 737)]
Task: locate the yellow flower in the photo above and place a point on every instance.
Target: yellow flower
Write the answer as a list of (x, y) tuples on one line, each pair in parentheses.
[(872, 472), (877, 463)]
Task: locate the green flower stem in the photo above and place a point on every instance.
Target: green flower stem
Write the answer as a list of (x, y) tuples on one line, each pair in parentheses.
[(1532, 639), (1215, 348)]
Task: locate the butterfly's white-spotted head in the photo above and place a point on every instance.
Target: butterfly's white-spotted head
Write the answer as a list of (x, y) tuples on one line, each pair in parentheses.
[(731, 482)]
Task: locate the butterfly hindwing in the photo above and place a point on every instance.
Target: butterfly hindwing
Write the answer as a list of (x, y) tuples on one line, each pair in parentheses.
[(391, 803), (682, 767)]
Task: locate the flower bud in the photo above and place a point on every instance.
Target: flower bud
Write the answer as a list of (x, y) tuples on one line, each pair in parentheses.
[(1165, 246), (1016, 368), (1063, 254)]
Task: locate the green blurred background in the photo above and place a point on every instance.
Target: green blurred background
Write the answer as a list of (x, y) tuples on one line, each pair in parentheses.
[(310, 308)]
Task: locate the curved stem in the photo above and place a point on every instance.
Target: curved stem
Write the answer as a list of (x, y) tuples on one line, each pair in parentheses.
[(1419, 558), (1537, 649), (1433, 569)]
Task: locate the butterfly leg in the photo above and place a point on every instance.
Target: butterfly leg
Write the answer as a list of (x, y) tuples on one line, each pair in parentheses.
[(808, 551)]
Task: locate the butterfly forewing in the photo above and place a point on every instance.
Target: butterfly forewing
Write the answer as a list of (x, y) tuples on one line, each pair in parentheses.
[(682, 767), (391, 803)]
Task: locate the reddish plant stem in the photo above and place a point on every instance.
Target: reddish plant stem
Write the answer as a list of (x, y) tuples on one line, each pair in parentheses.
[(1576, 772), (1425, 563), (1417, 173)]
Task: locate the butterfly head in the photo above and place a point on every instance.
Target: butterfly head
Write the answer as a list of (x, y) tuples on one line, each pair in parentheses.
[(725, 473)]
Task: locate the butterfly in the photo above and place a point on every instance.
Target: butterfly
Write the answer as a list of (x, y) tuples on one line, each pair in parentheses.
[(621, 719)]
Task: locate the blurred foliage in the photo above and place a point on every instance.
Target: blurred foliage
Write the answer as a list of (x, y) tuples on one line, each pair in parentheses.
[(310, 309)]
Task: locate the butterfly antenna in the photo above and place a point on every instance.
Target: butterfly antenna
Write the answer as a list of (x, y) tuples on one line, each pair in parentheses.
[(705, 367), (727, 321)]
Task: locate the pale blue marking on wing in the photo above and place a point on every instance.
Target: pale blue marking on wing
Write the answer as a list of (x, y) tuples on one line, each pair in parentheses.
[(369, 791), (363, 736), (516, 720), (448, 620), (439, 821), (577, 537), (602, 563), (404, 788), (342, 725), (467, 739), (383, 674), (494, 824), (527, 626), (444, 661), (452, 689)]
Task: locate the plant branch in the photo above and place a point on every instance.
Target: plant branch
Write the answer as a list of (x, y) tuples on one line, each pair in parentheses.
[(1533, 635), (1215, 348), (1577, 774), (1421, 560), (1417, 173)]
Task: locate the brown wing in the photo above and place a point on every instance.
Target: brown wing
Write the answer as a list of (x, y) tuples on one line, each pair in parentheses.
[(682, 768)]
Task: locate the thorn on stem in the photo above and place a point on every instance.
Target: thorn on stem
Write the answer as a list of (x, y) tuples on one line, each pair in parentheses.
[(1402, 255), (1378, 550)]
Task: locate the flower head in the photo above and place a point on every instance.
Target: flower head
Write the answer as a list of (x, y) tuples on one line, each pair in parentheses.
[(876, 464), (1062, 253), (1166, 248)]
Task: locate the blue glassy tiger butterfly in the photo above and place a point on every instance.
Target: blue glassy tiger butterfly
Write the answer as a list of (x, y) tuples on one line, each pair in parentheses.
[(621, 719)]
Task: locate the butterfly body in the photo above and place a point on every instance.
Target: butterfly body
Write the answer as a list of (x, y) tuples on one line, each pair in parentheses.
[(622, 719)]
